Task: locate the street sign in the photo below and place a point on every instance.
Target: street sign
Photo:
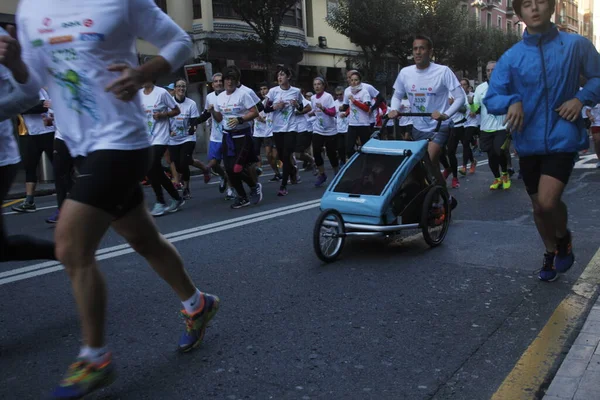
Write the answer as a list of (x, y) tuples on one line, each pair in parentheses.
[(198, 73)]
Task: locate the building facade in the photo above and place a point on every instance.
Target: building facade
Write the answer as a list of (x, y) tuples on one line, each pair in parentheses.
[(497, 14)]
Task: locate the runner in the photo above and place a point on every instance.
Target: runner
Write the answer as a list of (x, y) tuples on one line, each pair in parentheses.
[(103, 125), (13, 101), (235, 109), (159, 107), (183, 135), (457, 135), (376, 97), (540, 96), (324, 129), (263, 135), (593, 113), (428, 86), (37, 138), (493, 135), (283, 101), (358, 100), (471, 134), (405, 124), (303, 149), (215, 144), (342, 124)]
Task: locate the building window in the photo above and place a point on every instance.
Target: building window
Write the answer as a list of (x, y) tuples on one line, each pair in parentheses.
[(162, 4), (309, 19), (332, 5), (489, 19), (508, 26), (293, 17), (499, 22), (222, 10), (197, 4)]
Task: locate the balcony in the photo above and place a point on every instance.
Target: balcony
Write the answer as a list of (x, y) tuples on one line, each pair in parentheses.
[(484, 4)]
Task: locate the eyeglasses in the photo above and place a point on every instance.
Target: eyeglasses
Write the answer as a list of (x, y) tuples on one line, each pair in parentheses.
[(181, 86)]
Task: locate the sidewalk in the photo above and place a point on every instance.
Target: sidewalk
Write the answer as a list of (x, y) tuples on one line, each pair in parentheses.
[(17, 191), (578, 377)]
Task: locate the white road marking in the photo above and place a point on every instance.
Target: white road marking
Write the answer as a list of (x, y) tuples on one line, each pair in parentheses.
[(48, 267)]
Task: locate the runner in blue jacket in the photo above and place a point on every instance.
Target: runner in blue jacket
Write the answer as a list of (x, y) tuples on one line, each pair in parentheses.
[(536, 84)]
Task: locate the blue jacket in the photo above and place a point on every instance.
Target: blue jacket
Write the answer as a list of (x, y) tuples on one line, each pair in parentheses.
[(542, 71)]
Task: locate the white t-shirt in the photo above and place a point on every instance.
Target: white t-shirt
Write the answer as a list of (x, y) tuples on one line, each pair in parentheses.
[(35, 122), (180, 125), (9, 150), (264, 129), (459, 118), (428, 90), (304, 120), (157, 101), (251, 92), (471, 121), (69, 46), (405, 108), (342, 123), (489, 122), (216, 128), (234, 105), (595, 111), (285, 120), (358, 117), (323, 124)]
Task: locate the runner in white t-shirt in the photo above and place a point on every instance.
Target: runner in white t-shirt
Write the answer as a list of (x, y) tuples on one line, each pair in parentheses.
[(236, 109), (39, 123), (428, 86), (324, 129), (342, 124), (405, 124), (263, 135), (85, 53), (358, 99), (183, 135), (303, 149), (159, 107), (457, 135), (471, 135), (13, 101), (284, 101), (593, 113), (376, 97)]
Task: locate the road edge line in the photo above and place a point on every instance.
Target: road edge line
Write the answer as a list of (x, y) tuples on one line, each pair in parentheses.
[(536, 367)]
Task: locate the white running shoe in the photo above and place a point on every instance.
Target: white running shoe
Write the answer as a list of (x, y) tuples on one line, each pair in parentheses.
[(158, 209)]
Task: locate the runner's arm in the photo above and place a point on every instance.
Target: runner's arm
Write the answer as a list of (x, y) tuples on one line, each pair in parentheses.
[(589, 95), (458, 94)]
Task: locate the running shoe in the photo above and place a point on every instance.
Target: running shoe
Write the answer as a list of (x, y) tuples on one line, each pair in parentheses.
[(564, 254), (84, 377), (455, 183), (473, 166), (256, 194), (159, 209), (54, 218), (276, 178), (230, 195), (321, 179), (25, 207), (511, 172), (506, 183), (240, 202), (222, 185), (548, 272), (462, 170), (175, 205), (186, 194), (207, 175), (496, 184), (446, 173), (195, 324), (282, 192)]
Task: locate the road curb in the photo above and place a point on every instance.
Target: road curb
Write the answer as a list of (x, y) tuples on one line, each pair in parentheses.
[(534, 371)]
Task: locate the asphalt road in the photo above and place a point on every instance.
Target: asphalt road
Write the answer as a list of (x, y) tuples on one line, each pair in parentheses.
[(387, 321)]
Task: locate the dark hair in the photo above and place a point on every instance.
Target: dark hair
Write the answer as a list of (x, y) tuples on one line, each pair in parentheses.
[(180, 79), (517, 4), (263, 84), (357, 74), (426, 38), (285, 70), (466, 80), (232, 72)]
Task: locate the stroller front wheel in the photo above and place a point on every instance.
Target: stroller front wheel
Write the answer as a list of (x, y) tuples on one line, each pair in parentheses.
[(435, 216), (329, 235)]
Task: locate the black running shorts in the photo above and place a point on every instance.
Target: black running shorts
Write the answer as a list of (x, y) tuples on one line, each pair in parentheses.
[(110, 180), (556, 165)]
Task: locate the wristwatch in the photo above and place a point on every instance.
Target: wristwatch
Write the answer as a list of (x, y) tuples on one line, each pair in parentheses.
[(240, 120)]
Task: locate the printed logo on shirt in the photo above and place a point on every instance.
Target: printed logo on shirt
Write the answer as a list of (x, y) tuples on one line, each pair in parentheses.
[(37, 43), (47, 21), (88, 22), (70, 24), (64, 55), (45, 30), (91, 37), (61, 39), (76, 91)]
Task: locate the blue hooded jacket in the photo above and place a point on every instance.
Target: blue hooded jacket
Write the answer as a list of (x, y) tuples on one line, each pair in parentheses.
[(542, 71)]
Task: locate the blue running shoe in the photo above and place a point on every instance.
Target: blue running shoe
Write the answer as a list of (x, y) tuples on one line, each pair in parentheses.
[(548, 272), (84, 377), (564, 254), (321, 179), (54, 218), (195, 325)]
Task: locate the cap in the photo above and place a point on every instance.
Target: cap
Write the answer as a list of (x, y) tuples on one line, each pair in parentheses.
[(170, 87)]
